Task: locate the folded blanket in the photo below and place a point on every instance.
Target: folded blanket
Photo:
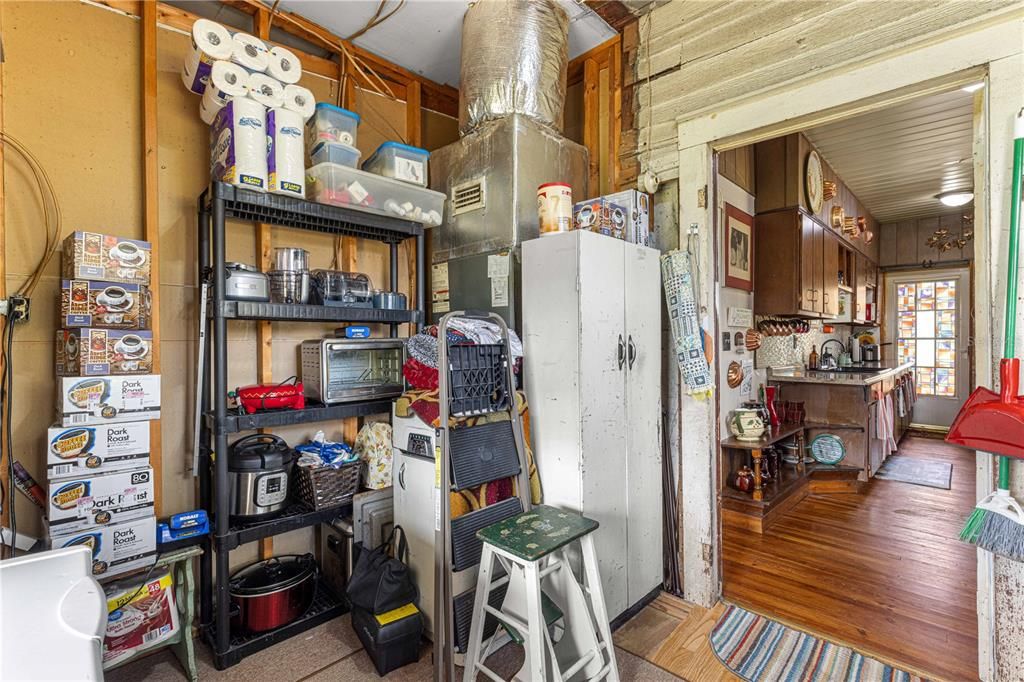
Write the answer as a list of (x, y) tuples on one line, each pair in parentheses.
[(420, 376)]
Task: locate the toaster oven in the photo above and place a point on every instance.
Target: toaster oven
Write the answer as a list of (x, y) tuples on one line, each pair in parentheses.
[(348, 370)]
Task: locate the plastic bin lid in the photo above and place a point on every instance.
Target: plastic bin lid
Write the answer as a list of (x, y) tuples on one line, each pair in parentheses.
[(399, 145), (349, 148), (345, 112)]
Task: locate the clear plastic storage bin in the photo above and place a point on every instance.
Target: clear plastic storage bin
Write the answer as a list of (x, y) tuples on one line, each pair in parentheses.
[(399, 161), (337, 185), (335, 152), (331, 124)]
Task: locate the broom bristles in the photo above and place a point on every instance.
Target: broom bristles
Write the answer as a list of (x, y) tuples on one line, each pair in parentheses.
[(974, 525), (1003, 536)]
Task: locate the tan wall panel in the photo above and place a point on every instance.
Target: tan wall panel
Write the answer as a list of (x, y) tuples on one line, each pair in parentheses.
[(438, 130)]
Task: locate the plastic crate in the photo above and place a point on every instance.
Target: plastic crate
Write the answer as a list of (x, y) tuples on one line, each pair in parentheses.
[(332, 124), (337, 185), (335, 152), (478, 382), (399, 161)]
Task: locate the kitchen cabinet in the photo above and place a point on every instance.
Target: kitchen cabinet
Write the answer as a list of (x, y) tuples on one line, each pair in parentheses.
[(592, 337), (865, 288), (796, 266)]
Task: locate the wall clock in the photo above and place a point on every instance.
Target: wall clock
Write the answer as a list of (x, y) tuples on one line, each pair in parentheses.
[(815, 182)]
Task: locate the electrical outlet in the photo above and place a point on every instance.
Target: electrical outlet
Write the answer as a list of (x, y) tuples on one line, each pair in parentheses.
[(18, 307)]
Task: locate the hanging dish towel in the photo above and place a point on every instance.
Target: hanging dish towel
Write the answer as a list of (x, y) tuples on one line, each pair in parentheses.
[(884, 424), (677, 278)]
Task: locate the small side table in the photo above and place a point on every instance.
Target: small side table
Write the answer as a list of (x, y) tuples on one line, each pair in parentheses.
[(180, 562), (755, 448)]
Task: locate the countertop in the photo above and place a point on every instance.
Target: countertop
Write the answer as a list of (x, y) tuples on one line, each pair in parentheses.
[(794, 374)]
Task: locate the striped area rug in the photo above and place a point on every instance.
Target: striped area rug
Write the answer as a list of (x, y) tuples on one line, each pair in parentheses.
[(762, 650)]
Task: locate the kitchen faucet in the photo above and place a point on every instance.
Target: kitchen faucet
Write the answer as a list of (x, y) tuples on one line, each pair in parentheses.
[(827, 360)]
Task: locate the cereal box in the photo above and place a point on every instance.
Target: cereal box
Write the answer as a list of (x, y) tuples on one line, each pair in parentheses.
[(99, 449), (91, 351), (117, 548), (85, 303), (89, 255), (88, 501), (83, 401)]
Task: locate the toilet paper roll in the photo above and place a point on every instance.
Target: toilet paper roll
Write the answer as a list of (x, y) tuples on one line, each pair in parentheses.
[(266, 90), (210, 42), (250, 52), (284, 65), (238, 144), (227, 81), (300, 100), (286, 153), (208, 112)]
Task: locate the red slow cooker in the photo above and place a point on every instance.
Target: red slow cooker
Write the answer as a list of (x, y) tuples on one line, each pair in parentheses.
[(272, 593)]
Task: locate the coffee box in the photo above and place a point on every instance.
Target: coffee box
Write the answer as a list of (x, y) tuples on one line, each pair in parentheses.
[(600, 215), (87, 450), (638, 215), (101, 500), (83, 401), (88, 255), (117, 548), (113, 305), (89, 351)]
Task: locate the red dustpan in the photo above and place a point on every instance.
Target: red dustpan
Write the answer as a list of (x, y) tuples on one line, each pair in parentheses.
[(990, 421)]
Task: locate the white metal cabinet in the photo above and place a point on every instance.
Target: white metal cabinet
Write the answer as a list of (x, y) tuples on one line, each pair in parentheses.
[(414, 506), (592, 335)]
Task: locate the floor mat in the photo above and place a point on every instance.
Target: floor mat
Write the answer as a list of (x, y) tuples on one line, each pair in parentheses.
[(917, 471), (759, 649)]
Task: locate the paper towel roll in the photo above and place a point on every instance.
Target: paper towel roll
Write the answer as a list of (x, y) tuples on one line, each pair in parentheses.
[(299, 100), (286, 153), (207, 111), (227, 81), (238, 144), (249, 51), (266, 90), (284, 65), (210, 41)]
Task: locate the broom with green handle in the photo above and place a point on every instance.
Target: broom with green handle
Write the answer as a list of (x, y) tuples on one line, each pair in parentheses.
[(995, 423)]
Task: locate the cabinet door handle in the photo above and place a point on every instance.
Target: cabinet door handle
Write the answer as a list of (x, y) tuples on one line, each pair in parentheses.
[(401, 476), (632, 351), (622, 352)]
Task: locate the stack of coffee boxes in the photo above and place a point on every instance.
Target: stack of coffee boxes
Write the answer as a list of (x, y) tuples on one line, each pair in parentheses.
[(623, 215), (101, 487)]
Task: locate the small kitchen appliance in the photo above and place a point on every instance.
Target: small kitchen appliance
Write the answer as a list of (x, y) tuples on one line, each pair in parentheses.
[(869, 352), (245, 283), (286, 395), (270, 594), (259, 467), (337, 288), (344, 370)]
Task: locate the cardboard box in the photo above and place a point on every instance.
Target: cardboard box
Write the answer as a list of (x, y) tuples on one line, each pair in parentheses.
[(140, 616), (89, 351), (83, 401), (638, 215), (113, 305), (83, 450), (100, 500), (600, 215), (88, 255), (116, 549)]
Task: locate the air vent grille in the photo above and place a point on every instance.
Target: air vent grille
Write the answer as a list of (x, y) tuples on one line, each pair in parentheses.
[(469, 196)]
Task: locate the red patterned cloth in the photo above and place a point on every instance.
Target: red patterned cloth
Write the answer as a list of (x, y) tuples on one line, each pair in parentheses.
[(420, 376)]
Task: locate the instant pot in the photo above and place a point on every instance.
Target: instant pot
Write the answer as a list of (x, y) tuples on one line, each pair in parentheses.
[(259, 467)]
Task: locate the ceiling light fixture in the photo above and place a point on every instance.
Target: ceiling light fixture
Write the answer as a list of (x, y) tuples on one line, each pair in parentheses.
[(973, 87), (957, 198)]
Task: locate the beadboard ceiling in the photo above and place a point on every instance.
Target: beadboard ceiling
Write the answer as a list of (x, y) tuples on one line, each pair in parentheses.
[(896, 160), (425, 36)]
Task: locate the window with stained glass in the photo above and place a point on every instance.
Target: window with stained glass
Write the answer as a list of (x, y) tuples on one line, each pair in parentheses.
[(926, 334)]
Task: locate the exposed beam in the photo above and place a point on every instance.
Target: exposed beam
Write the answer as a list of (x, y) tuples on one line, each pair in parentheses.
[(151, 217), (414, 135), (591, 123)]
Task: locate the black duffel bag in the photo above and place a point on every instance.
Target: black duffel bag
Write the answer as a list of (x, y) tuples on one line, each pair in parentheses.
[(380, 582)]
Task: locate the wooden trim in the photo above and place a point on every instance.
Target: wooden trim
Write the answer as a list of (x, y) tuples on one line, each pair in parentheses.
[(3, 288), (591, 123), (614, 112), (151, 218), (600, 54)]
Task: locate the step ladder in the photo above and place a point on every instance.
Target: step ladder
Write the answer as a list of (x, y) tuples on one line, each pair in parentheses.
[(473, 381)]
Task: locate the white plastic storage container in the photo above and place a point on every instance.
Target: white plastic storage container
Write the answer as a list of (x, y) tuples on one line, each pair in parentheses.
[(399, 161), (337, 185), (331, 124), (335, 152)]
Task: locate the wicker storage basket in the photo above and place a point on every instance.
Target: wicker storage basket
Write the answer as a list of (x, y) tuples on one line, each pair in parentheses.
[(326, 487)]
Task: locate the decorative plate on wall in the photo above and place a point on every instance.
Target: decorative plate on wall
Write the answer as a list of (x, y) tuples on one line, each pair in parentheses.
[(814, 182)]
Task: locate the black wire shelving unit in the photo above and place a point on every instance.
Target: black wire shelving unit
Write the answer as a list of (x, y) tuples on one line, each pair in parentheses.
[(216, 205)]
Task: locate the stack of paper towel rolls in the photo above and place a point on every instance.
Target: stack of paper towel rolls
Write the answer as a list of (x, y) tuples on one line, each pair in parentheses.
[(240, 80)]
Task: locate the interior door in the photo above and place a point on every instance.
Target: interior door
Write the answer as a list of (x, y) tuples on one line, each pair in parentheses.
[(830, 273), (927, 318), (642, 284), (810, 266), (604, 466)]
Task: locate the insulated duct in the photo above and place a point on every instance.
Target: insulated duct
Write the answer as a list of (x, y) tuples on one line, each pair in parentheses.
[(514, 59)]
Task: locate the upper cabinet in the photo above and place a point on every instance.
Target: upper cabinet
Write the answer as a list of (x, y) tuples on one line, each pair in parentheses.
[(795, 266)]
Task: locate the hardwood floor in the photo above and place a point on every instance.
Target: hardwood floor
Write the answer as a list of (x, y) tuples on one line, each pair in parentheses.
[(882, 571)]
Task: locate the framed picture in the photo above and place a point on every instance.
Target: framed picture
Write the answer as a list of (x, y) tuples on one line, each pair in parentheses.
[(739, 249)]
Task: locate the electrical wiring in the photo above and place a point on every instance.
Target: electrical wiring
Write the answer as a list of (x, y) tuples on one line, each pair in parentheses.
[(377, 19)]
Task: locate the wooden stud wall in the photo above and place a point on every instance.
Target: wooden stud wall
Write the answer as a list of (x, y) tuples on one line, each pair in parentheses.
[(587, 68)]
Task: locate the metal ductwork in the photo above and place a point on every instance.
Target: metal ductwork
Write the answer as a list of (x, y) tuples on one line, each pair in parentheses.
[(514, 59)]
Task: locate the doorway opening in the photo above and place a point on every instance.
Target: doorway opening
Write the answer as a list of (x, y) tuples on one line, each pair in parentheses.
[(861, 326)]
